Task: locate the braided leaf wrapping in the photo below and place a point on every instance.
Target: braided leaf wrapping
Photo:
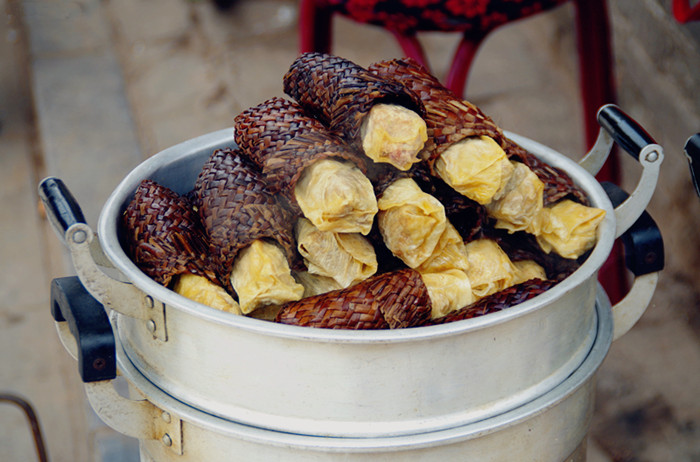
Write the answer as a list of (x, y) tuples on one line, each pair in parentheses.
[(389, 300), (341, 93), (164, 235), (261, 130), (236, 209), (448, 118), (501, 300)]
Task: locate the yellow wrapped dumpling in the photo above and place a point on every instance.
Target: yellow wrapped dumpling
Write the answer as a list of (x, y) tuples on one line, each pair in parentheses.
[(490, 269), (315, 284), (475, 167), (521, 201), (528, 269), (336, 196), (261, 276), (569, 228), (410, 221), (450, 253), (202, 290), (348, 258), (393, 134), (449, 290)]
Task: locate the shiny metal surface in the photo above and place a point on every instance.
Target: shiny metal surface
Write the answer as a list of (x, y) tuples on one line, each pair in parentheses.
[(332, 383), (551, 428)]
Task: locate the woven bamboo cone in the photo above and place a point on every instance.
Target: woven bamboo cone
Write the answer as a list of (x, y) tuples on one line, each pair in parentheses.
[(341, 93), (236, 210), (164, 235), (283, 141), (390, 300), (450, 119)]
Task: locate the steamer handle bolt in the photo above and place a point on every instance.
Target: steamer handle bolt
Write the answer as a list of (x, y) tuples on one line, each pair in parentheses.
[(61, 207), (627, 133), (89, 325)]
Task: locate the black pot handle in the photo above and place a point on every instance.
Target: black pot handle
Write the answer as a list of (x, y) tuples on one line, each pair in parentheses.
[(692, 152), (642, 242), (90, 326), (627, 133), (61, 207)]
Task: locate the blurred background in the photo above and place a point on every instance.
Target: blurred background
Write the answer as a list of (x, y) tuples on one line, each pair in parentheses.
[(90, 88)]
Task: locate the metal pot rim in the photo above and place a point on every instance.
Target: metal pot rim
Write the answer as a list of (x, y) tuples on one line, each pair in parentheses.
[(111, 214), (515, 416)]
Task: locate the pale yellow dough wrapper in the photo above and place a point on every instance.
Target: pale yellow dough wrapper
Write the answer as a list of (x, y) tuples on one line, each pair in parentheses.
[(521, 201), (450, 253), (411, 221), (526, 270), (449, 290), (336, 196), (315, 284), (202, 290), (394, 135), (569, 228), (490, 268), (346, 257), (476, 167), (261, 276)]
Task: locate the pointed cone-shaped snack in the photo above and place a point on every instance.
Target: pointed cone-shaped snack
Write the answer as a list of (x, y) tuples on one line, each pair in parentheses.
[(449, 119), (164, 235), (236, 209), (498, 301), (557, 184), (389, 300), (342, 94), (263, 129)]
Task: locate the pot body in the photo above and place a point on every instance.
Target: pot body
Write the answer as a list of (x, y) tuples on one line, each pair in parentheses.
[(361, 384), (550, 428)]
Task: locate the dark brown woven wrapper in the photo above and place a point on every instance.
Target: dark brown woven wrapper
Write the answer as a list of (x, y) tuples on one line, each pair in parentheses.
[(501, 300), (557, 184), (164, 236), (341, 93), (263, 129), (284, 168), (236, 210), (390, 300), (448, 118)]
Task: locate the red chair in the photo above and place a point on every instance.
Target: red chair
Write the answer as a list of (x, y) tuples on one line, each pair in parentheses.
[(475, 19)]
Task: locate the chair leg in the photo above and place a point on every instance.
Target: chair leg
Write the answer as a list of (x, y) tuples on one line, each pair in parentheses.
[(456, 79), (411, 47), (598, 89), (315, 27)]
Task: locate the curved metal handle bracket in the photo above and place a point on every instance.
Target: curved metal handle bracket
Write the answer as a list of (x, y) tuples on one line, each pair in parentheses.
[(594, 160), (627, 213), (139, 419), (627, 311), (122, 297)]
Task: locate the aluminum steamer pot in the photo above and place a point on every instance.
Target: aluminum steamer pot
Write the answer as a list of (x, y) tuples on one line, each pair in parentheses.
[(551, 428), (351, 383)]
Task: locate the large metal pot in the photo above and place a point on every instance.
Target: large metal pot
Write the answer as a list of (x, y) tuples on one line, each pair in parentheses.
[(355, 384), (550, 428)]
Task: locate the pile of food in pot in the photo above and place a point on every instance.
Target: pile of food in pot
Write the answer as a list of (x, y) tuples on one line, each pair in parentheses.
[(366, 198)]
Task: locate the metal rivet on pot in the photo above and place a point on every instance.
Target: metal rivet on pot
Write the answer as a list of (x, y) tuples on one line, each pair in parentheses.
[(167, 440), (151, 326), (79, 236), (149, 301), (166, 417)]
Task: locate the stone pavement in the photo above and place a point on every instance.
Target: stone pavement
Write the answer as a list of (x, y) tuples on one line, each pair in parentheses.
[(90, 88)]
